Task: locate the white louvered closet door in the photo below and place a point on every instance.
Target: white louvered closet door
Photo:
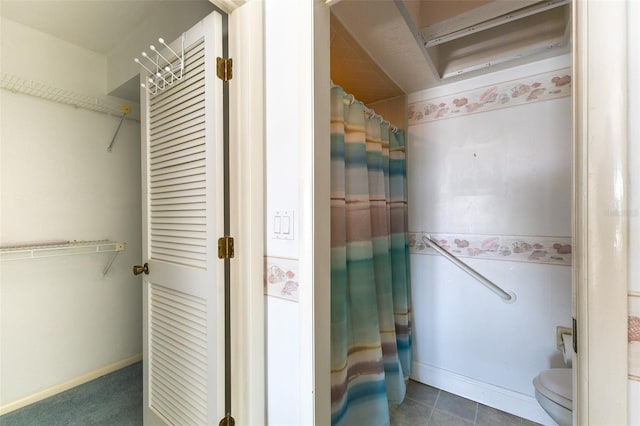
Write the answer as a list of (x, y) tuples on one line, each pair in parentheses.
[(183, 214)]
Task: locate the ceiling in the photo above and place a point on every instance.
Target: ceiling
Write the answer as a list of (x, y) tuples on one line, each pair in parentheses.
[(393, 34), (104, 26), (377, 50), (382, 32), (96, 25), (354, 70)]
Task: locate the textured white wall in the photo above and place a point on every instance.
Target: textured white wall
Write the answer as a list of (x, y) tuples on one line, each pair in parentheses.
[(503, 172), (60, 318), (282, 186), (634, 197)]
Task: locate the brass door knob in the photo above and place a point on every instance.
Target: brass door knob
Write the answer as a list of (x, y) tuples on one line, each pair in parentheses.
[(137, 269)]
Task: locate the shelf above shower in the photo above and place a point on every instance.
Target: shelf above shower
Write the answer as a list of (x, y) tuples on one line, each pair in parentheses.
[(62, 248), (498, 33)]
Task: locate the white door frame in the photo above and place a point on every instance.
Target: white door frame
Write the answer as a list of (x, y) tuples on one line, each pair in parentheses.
[(315, 212), (600, 283), (247, 34), (247, 138), (246, 163), (246, 176), (600, 211)]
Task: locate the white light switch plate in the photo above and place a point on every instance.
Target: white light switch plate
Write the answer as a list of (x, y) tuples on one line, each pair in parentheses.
[(283, 225)]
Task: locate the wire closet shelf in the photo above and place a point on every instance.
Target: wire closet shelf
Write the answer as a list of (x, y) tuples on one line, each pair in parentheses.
[(62, 248), (17, 84)]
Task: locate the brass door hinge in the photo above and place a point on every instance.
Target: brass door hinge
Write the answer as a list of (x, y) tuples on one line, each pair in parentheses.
[(227, 421), (225, 247), (224, 68)]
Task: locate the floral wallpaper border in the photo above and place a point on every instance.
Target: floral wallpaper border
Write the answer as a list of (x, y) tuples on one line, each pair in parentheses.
[(281, 274), (547, 250), (281, 278), (535, 88), (634, 337)]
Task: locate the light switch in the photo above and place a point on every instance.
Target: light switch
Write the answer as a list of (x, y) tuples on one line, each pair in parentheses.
[(283, 225)]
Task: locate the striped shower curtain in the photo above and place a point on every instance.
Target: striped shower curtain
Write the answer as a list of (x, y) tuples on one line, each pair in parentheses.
[(370, 288)]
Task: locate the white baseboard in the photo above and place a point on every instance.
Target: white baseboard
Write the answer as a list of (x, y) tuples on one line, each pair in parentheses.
[(46, 393), (502, 399)]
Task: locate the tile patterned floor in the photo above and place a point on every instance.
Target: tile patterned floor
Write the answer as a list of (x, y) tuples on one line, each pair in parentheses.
[(428, 406)]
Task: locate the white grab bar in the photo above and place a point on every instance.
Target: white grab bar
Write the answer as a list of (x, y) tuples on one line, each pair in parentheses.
[(506, 296)]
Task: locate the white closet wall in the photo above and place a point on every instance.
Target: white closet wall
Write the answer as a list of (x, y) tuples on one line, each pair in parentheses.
[(61, 320)]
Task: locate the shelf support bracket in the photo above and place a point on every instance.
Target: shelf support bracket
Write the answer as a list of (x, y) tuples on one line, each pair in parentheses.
[(119, 248), (113, 258), (125, 110)]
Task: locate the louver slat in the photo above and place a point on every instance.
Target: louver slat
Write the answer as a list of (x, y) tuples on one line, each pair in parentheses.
[(187, 141), (179, 233), (171, 139), (180, 169), (179, 174), (187, 155), (192, 58), (177, 184), (179, 129), (185, 102), (179, 120), (178, 337)]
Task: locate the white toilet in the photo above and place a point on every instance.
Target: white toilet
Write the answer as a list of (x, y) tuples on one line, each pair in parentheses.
[(555, 395), (554, 387)]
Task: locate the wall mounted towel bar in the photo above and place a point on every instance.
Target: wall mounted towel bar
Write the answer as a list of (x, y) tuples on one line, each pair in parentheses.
[(63, 248), (506, 296)]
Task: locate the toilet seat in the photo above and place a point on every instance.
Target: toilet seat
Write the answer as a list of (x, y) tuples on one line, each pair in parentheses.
[(556, 385)]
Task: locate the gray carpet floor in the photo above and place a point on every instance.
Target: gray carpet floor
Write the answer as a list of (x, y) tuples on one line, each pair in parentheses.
[(114, 399)]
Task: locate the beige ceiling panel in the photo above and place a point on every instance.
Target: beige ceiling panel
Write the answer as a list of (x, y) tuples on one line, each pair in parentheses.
[(355, 71), (380, 27)]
